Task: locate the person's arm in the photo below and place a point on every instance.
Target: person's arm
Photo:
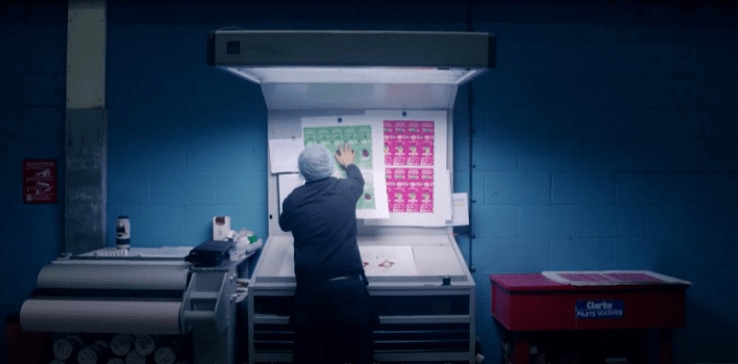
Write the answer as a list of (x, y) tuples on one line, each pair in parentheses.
[(283, 220), (345, 155), (283, 223), (345, 158)]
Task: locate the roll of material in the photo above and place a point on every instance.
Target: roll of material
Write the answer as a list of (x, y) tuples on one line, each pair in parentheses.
[(146, 344), (64, 348), (114, 276), (98, 316), (121, 344), (134, 357)]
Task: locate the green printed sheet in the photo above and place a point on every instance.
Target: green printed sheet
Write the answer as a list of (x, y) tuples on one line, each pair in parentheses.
[(360, 139)]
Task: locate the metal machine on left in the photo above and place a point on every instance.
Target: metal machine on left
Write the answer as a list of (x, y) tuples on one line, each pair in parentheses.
[(150, 291)]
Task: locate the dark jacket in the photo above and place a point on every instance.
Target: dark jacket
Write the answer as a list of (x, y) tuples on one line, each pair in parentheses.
[(322, 218)]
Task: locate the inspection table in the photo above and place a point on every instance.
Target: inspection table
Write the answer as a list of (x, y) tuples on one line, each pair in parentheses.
[(526, 305)]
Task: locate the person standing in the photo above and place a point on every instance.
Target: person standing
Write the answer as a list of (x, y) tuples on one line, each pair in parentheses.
[(333, 318)]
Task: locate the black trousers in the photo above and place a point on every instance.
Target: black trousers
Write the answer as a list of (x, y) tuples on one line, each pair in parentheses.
[(334, 323)]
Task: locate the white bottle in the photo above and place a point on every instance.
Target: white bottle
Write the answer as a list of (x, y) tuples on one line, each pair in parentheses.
[(123, 233)]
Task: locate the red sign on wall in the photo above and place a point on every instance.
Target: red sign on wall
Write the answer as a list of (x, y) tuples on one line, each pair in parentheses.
[(39, 181)]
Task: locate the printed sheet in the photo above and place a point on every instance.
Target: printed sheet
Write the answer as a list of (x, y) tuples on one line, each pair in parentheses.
[(365, 137), (388, 260), (418, 185)]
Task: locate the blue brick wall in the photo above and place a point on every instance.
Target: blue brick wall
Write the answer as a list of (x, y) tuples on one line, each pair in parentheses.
[(187, 141), (32, 88), (604, 139), (604, 133)]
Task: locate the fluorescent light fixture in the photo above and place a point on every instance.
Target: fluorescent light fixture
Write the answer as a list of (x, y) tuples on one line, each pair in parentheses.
[(365, 75), (369, 57), (322, 69)]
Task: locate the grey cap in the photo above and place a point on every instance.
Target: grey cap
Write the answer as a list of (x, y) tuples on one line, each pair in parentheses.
[(315, 162)]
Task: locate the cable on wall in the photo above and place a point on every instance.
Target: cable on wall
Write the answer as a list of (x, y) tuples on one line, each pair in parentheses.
[(470, 98)]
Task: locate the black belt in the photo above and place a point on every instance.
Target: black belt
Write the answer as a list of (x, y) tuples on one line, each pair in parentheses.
[(348, 277)]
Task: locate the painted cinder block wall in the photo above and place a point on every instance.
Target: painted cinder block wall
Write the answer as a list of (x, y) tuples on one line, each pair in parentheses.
[(32, 84), (604, 139)]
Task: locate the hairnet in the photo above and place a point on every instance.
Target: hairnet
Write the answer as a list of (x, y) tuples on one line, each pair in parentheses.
[(315, 162)]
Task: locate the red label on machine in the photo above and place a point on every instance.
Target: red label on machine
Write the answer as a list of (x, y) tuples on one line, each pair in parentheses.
[(39, 181)]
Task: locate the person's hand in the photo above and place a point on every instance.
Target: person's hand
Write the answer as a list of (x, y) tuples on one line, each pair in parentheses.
[(345, 155)]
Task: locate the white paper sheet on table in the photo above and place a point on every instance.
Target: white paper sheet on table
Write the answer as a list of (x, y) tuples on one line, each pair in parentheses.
[(611, 277), (388, 260)]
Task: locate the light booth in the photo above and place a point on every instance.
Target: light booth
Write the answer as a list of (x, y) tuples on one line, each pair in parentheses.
[(391, 96)]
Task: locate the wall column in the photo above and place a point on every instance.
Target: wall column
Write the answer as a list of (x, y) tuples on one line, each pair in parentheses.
[(85, 137)]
